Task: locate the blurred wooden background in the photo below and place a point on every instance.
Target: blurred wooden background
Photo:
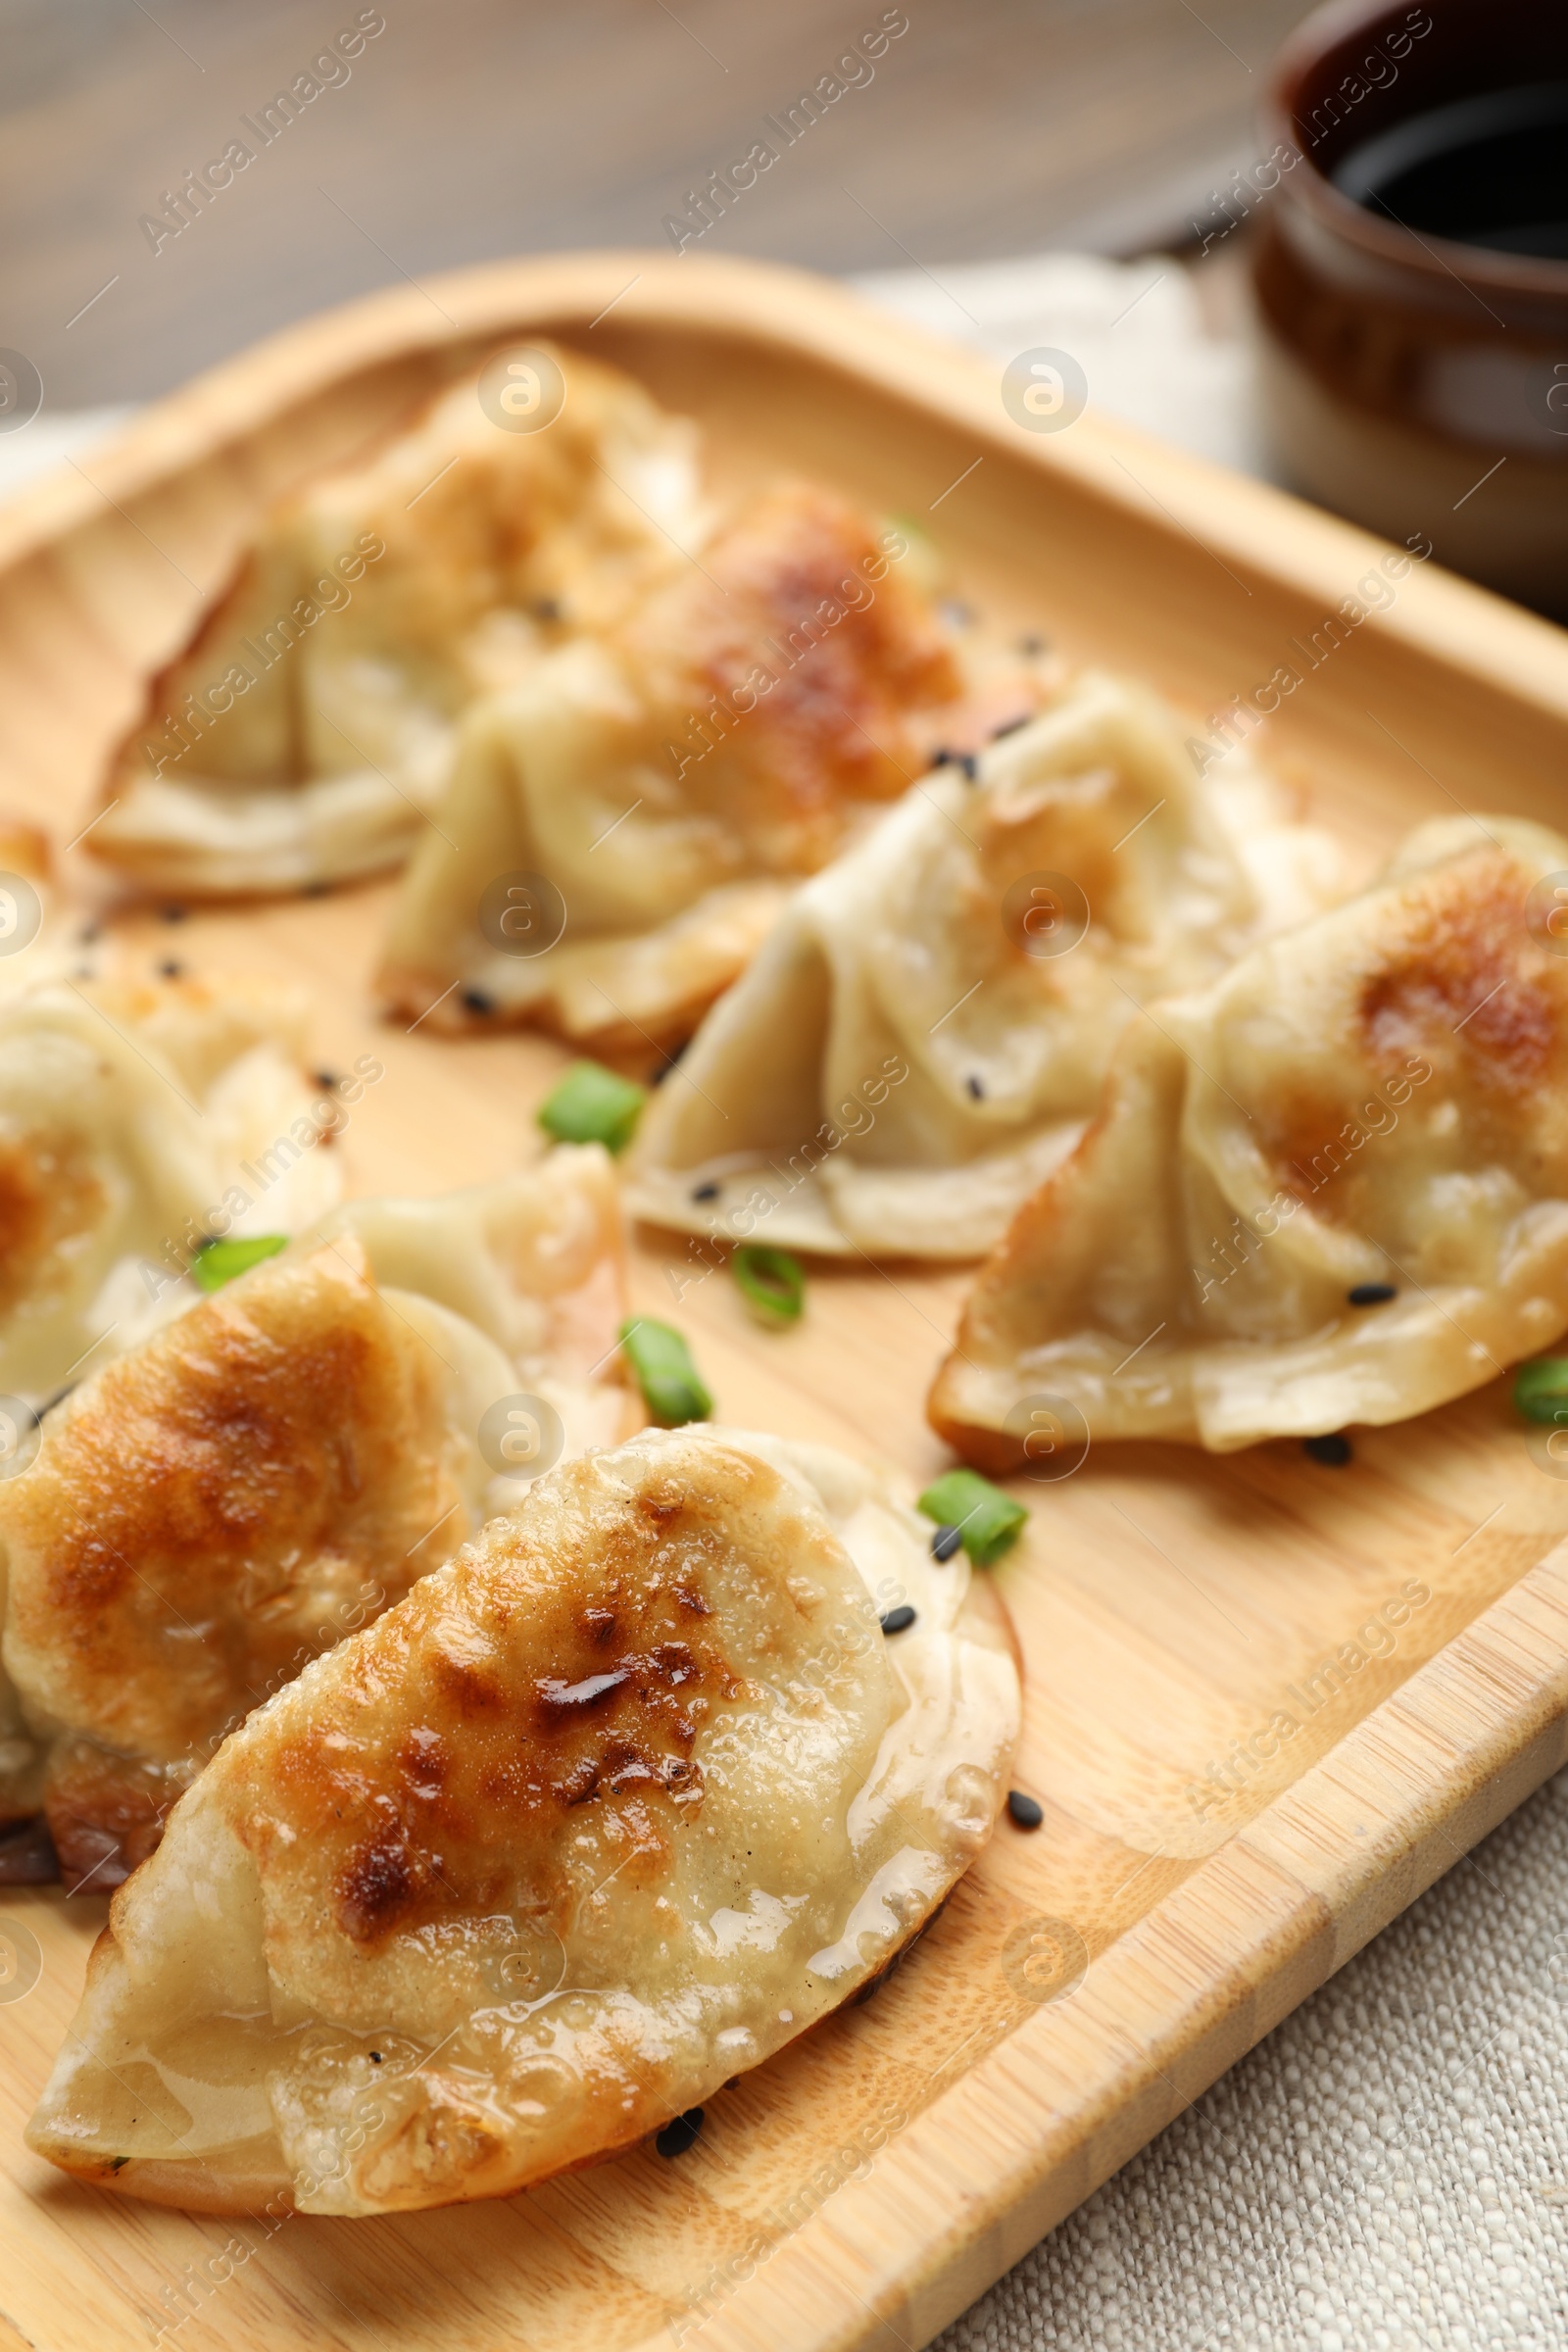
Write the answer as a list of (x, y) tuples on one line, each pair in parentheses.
[(471, 128)]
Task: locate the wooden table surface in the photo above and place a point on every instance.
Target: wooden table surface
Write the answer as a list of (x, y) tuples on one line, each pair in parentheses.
[(474, 128)]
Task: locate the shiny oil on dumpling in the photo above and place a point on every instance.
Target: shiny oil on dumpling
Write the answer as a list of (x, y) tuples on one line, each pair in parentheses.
[(926, 1031), (626, 824), (271, 1468), (132, 1117), (607, 1810), (307, 729), (1333, 1187)]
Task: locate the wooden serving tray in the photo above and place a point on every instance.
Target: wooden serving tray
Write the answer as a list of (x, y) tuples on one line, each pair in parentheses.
[(1199, 1870)]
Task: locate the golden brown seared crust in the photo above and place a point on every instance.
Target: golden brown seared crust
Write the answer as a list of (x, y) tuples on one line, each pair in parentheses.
[(453, 1815), (207, 1513), (745, 711), (1379, 1099), (49, 1193), (799, 626), (1458, 985), (611, 1807), (1463, 980)]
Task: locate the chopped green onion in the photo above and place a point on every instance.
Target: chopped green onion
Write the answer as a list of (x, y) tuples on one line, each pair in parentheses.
[(1540, 1388), (216, 1262), (771, 1282), (593, 1105), (920, 552), (671, 1385), (988, 1521), (908, 526)]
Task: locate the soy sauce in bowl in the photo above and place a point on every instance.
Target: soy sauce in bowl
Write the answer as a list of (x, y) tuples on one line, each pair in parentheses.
[(1490, 170), (1411, 275)]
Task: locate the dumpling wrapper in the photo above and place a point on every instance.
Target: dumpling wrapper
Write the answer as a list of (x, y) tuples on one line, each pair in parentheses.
[(43, 937), (899, 1068), (673, 778), (1379, 1097), (131, 1115), (607, 1810), (306, 732), (535, 1262), (271, 1469)]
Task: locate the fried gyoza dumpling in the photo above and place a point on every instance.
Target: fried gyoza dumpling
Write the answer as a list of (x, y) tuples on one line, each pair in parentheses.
[(607, 1810), (307, 730), (1333, 1187), (130, 1117), (654, 793), (926, 1031), (269, 1471)]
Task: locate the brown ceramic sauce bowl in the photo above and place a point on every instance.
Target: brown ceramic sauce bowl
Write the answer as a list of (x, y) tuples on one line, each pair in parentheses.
[(1414, 377)]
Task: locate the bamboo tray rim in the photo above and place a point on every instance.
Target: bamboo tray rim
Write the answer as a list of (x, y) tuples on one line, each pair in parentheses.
[(1253, 523), (1464, 1739), (1490, 1709)]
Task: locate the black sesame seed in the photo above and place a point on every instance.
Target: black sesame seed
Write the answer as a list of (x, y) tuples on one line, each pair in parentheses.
[(171, 968), (375, 2057), (704, 1192), (1372, 1294), (1011, 728), (1024, 1810), (547, 608), (946, 757), (175, 915), (1333, 1449), (316, 890), (327, 1079), (676, 2138), (976, 1089), (898, 1620), (969, 764), (945, 1542), (478, 1000), (1031, 645)]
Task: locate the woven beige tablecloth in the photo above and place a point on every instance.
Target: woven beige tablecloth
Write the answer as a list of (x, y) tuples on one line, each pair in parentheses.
[(1389, 2171)]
